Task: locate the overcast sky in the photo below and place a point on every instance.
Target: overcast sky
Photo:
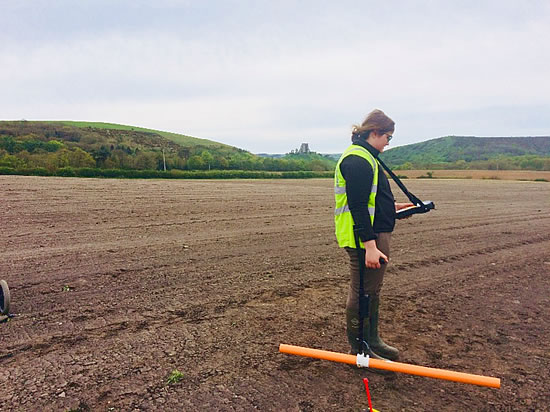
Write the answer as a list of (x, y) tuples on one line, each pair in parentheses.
[(268, 75)]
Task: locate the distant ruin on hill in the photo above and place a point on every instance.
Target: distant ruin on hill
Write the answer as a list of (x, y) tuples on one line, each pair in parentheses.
[(304, 149)]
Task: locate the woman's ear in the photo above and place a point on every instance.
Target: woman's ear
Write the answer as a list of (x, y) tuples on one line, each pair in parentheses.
[(375, 134)]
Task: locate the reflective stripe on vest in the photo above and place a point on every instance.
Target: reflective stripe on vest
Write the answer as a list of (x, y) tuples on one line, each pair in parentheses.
[(342, 190), (345, 208), (343, 219)]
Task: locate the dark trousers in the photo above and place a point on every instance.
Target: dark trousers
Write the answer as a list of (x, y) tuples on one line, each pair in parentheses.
[(373, 277)]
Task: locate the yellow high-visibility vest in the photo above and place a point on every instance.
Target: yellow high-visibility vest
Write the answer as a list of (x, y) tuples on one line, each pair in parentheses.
[(343, 220)]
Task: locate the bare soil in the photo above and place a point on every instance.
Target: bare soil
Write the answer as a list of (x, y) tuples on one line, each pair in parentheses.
[(117, 283)]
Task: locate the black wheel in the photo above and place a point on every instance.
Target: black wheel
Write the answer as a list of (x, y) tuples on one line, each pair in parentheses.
[(4, 298)]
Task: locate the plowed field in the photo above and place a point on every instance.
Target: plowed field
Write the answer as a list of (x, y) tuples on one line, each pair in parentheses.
[(117, 283)]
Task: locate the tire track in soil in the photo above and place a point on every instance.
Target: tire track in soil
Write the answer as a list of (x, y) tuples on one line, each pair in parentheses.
[(491, 222), (493, 249), (473, 333), (299, 302), (190, 314)]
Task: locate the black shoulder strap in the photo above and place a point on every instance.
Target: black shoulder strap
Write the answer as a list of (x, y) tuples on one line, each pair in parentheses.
[(416, 201)]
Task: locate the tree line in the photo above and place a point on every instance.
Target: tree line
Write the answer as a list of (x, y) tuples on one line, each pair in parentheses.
[(30, 152), (524, 162), (470, 152)]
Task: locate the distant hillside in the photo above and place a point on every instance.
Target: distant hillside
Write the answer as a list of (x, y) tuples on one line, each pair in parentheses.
[(180, 139), (333, 156), (51, 146), (102, 133), (531, 152)]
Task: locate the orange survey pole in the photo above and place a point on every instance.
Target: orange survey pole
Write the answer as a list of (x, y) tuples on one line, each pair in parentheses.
[(365, 361)]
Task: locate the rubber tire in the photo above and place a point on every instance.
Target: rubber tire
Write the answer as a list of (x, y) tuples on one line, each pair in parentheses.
[(4, 298)]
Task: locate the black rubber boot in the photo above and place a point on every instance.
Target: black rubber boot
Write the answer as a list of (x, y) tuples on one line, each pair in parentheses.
[(352, 329), (373, 338)]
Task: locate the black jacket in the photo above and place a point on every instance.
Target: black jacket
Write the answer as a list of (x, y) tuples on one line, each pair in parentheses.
[(359, 174)]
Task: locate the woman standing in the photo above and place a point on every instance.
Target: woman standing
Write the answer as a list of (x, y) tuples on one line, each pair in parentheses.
[(365, 206)]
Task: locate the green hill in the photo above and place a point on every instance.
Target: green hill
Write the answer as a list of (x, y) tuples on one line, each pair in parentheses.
[(530, 152), (51, 146), (180, 139), (102, 133)]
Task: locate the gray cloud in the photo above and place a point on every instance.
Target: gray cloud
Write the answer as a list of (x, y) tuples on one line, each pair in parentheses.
[(266, 75)]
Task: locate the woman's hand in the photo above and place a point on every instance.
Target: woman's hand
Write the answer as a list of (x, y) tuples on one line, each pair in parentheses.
[(373, 255), (399, 206)]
